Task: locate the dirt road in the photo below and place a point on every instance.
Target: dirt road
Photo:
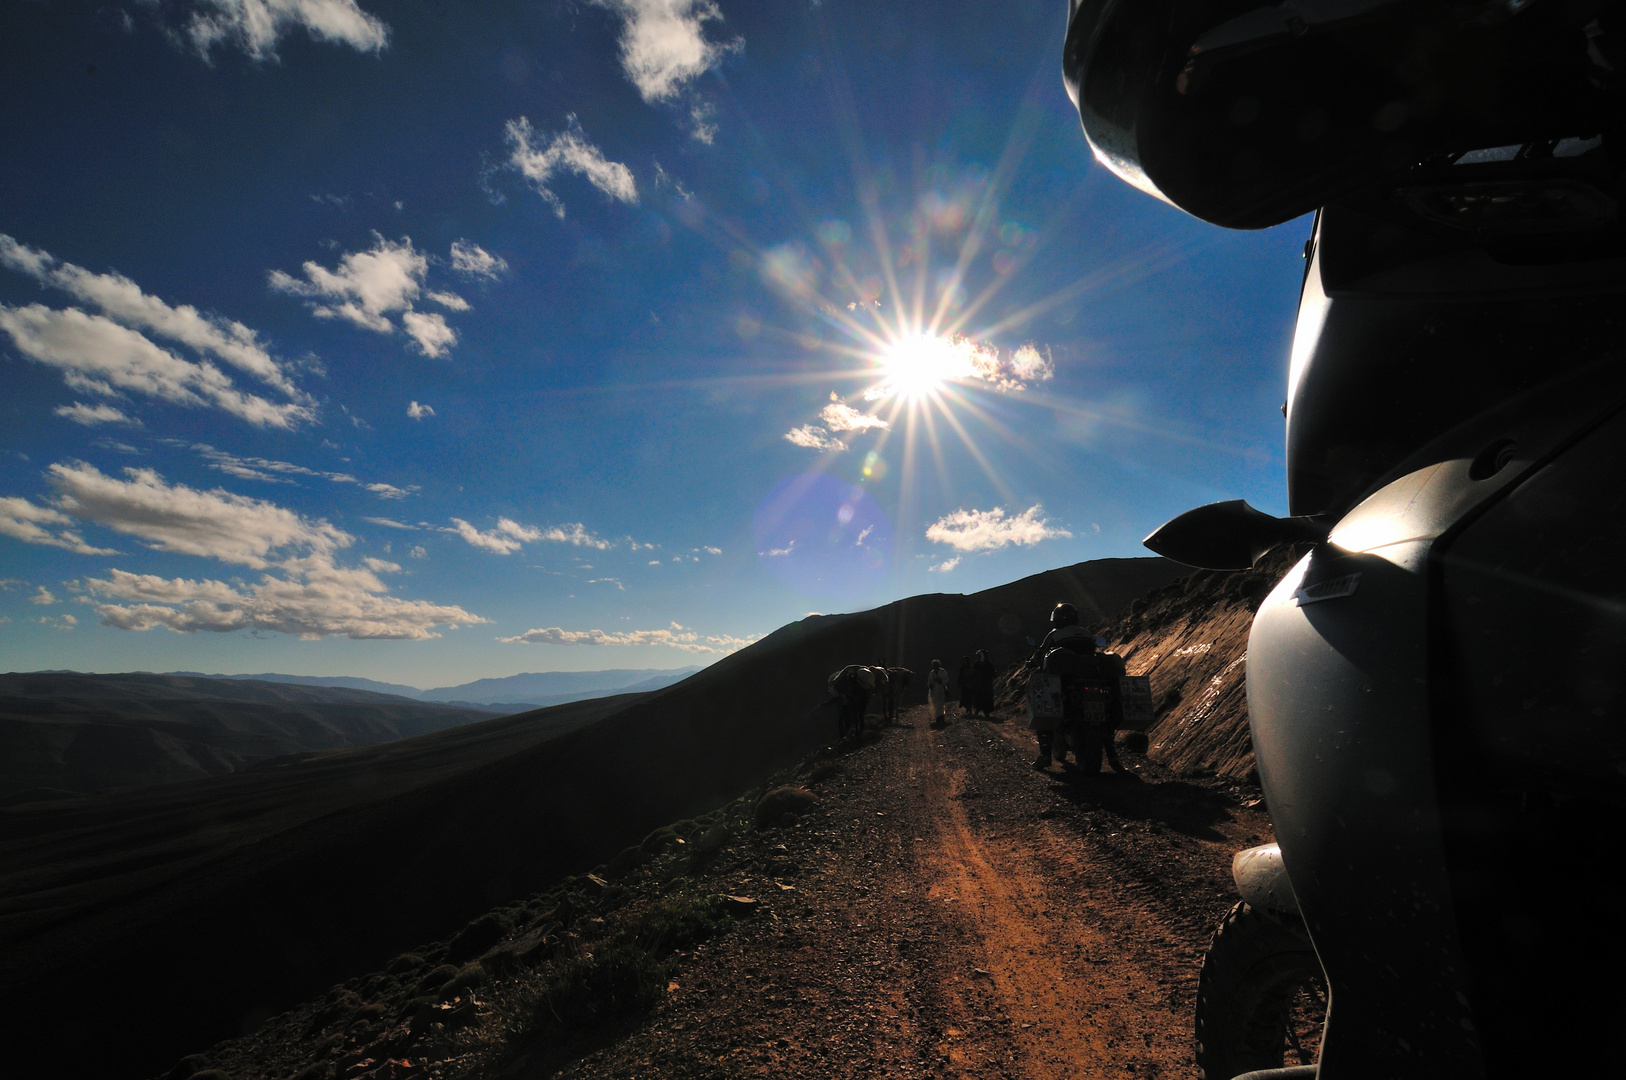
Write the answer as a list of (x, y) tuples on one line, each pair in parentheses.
[(949, 911)]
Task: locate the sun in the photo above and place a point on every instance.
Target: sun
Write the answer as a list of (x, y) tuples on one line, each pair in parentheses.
[(919, 365)]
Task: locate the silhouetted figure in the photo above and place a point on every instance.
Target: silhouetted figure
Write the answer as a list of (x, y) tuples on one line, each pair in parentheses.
[(982, 683), (896, 679), (1065, 633), (851, 687), (937, 693)]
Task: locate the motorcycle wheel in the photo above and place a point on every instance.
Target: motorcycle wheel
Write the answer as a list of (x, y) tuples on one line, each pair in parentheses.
[(1261, 998)]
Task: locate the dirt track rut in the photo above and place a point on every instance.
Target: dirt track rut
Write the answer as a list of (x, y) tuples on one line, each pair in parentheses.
[(949, 911)]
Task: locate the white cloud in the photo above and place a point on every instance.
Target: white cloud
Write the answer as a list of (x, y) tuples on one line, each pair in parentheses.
[(663, 43), (674, 637), (714, 551), (22, 520), (91, 415), (309, 594), (988, 530), (419, 552), (428, 330), (607, 581), (839, 416), (418, 412), (472, 259), (567, 151), (779, 553), (390, 523), (367, 287), (316, 599), (390, 491), (509, 535), (448, 300), (814, 438), (123, 300), (43, 596), (381, 566), (507, 538), (576, 534), (97, 355), (257, 26), (215, 524), (945, 566)]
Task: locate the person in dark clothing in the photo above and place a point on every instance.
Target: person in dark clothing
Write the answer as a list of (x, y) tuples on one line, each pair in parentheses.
[(1065, 633), (982, 670)]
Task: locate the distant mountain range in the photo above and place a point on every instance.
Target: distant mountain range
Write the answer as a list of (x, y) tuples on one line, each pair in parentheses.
[(533, 689)]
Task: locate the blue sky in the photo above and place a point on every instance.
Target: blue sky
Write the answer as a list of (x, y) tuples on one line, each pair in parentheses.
[(437, 342)]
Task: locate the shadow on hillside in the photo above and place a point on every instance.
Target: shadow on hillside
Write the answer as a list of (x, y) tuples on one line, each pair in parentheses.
[(1175, 804)]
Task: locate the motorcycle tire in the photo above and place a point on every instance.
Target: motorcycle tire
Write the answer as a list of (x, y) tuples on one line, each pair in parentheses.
[(1258, 977)]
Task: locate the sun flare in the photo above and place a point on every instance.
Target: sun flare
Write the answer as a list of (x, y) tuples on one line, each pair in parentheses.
[(919, 365)]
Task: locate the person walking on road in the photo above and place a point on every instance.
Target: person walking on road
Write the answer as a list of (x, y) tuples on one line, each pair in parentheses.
[(937, 693)]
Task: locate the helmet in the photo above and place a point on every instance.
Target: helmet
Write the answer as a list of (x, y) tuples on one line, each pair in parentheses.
[(1064, 615)]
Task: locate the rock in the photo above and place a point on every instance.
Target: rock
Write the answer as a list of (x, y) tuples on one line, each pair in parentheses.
[(470, 976), (404, 963), (741, 907), (776, 804), (1136, 742)]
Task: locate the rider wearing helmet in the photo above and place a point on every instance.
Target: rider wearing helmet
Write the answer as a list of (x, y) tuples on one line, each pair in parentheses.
[(1065, 633)]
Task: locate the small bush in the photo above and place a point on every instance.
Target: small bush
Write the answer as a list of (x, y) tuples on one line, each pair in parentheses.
[(681, 922), (404, 962), (1135, 742), (619, 980), (781, 801), (470, 976)]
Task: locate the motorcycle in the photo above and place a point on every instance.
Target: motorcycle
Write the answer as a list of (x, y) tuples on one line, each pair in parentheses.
[(1435, 691)]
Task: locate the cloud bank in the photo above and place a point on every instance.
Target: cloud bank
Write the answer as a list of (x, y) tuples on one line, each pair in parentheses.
[(990, 530), (814, 438), (674, 637), (509, 536)]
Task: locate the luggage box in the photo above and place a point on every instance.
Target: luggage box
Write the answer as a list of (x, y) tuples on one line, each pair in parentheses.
[(1045, 702), (1135, 691)]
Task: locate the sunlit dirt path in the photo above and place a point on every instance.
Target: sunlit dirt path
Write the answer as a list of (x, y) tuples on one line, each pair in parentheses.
[(949, 911)]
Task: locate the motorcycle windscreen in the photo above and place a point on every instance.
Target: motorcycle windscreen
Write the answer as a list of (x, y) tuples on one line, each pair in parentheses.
[(1247, 115)]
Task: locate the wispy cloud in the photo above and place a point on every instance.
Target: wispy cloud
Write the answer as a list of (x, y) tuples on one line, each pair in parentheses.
[(509, 536), (390, 523), (814, 438), (92, 415), (367, 287), (664, 48), (110, 353), (42, 596), (675, 636), (989, 530), (540, 160), (271, 471), (945, 566), (475, 261), (258, 26), (418, 412), (839, 416)]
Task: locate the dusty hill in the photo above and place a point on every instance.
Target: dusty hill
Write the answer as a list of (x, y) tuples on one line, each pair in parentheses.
[(67, 733), (161, 952)]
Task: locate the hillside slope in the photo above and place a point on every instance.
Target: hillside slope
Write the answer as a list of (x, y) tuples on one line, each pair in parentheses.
[(66, 733), (184, 950)]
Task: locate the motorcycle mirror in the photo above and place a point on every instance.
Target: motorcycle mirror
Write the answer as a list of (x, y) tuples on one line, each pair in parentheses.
[(1230, 535)]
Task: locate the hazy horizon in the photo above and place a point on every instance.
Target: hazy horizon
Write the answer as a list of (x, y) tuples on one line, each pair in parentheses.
[(427, 346)]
